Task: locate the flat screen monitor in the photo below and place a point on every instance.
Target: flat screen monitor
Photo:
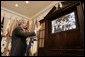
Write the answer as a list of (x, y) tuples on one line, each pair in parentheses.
[(64, 23)]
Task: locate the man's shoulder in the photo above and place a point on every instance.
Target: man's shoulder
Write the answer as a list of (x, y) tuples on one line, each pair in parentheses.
[(17, 28)]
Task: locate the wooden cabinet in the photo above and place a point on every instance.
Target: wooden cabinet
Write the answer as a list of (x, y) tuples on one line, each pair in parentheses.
[(41, 37), (66, 43)]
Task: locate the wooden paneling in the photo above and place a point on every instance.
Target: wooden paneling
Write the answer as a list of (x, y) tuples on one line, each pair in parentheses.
[(66, 43)]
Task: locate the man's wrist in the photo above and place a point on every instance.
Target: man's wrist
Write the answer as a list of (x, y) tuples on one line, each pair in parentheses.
[(35, 31)]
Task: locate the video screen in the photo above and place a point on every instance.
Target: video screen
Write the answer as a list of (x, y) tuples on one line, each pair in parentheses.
[(64, 23)]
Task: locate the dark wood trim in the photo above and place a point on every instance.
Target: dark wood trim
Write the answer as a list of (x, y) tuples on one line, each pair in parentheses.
[(63, 10)]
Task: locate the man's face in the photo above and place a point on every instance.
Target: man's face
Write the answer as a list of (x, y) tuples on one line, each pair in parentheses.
[(24, 24)]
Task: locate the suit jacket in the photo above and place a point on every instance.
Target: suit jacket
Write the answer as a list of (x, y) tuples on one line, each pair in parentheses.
[(19, 41)]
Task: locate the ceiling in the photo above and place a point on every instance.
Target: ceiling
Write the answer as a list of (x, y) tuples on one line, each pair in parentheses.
[(28, 10)]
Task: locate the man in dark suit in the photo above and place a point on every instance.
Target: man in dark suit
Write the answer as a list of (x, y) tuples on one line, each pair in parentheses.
[(19, 36)]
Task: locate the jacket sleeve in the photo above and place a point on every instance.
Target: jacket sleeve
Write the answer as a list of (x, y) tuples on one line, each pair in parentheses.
[(19, 32)]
